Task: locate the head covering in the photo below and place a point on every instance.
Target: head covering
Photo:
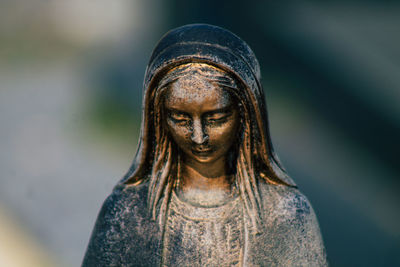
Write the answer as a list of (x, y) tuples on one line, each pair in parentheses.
[(218, 47)]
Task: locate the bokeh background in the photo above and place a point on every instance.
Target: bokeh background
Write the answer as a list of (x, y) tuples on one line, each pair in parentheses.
[(70, 101)]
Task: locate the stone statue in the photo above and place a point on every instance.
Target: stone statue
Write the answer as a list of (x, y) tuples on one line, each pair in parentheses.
[(205, 187)]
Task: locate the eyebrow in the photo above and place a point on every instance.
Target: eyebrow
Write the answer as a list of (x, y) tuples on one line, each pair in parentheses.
[(220, 110), (211, 112), (177, 111)]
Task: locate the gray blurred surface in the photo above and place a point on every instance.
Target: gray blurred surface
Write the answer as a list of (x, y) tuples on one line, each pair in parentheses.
[(53, 176)]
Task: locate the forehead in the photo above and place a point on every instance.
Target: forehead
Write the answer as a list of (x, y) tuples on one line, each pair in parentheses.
[(197, 91)]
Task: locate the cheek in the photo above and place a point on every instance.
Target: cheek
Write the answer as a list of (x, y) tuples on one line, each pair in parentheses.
[(225, 134), (180, 135)]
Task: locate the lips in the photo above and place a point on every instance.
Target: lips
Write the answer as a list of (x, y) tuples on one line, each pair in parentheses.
[(201, 151)]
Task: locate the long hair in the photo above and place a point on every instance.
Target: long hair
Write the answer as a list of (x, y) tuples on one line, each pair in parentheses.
[(166, 157)]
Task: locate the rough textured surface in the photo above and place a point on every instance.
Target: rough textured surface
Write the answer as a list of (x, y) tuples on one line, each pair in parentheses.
[(200, 236), (125, 235), (261, 219)]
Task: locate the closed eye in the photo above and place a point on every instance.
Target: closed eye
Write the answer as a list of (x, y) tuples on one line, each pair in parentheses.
[(178, 117), (219, 117), (180, 121)]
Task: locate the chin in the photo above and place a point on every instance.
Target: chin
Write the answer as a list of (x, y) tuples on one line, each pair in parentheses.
[(205, 159), (202, 159)]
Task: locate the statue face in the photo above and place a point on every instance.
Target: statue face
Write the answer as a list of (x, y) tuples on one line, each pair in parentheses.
[(202, 118)]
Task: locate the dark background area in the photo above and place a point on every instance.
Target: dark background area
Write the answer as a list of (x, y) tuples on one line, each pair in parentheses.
[(70, 105)]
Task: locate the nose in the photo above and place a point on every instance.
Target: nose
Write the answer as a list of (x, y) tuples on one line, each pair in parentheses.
[(198, 135)]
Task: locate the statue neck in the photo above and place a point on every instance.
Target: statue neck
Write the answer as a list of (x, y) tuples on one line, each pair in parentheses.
[(205, 184)]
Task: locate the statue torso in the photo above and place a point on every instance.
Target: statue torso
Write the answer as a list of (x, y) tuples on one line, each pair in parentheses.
[(125, 235), (201, 236)]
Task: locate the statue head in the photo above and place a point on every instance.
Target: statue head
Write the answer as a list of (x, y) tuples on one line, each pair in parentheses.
[(200, 112), (203, 99)]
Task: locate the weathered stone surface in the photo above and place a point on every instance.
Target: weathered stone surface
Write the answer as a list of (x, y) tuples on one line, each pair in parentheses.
[(205, 188), (125, 234)]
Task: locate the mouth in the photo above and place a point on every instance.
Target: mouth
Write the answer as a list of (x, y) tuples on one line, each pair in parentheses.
[(201, 152)]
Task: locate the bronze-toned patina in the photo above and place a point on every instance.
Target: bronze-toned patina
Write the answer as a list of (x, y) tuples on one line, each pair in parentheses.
[(205, 188)]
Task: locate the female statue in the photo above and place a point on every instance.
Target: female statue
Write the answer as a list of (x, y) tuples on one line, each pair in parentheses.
[(205, 187)]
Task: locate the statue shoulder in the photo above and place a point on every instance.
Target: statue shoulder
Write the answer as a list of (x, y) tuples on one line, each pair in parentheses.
[(124, 202), (127, 198), (123, 228), (291, 222), (282, 203)]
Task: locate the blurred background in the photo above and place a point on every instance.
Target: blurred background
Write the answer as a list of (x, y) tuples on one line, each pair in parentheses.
[(70, 101)]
